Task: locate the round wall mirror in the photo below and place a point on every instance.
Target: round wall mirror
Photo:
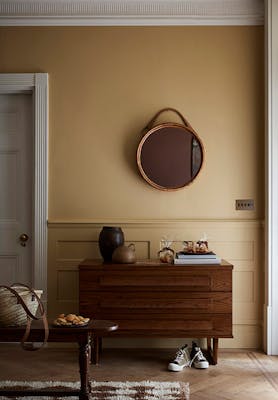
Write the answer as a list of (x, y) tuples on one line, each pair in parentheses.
[(170, 155)]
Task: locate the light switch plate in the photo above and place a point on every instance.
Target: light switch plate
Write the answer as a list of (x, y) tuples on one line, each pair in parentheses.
[(245, 204)]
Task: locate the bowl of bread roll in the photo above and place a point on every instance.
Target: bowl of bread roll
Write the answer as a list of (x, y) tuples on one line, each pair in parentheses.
[(70, 320)]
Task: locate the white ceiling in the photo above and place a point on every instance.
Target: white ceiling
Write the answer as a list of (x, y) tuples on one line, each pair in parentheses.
[(131, 12)]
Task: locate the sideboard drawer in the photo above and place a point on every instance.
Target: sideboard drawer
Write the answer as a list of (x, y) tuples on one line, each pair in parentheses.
[(167, 280), (170, 302), (190, 325)]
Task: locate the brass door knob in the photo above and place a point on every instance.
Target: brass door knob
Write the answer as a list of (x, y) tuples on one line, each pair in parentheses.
[(23, 239)]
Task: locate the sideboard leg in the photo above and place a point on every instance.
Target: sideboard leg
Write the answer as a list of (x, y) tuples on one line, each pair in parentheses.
[(209, 351), (212, 351), (209, 344), (215, 351)]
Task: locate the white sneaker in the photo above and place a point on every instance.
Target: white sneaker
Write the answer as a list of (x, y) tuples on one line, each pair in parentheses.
[(197, 358), (181, 360)]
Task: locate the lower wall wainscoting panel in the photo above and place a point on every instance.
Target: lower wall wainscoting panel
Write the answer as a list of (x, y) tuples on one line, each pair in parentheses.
[(238, 242)]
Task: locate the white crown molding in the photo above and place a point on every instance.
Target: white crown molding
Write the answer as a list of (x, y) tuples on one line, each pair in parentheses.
[(131, 12)]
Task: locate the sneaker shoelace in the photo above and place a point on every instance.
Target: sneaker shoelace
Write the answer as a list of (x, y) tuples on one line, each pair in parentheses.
[(198, 357), (180, 355)]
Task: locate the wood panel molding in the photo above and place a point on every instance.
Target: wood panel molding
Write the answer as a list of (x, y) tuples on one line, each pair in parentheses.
[(155, 223), (239, 242)]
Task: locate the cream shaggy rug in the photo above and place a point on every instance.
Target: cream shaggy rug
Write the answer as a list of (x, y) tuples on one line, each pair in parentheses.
[(144, 390)]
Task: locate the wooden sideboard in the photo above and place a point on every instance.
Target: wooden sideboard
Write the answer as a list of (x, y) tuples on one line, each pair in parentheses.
[(149, 298)]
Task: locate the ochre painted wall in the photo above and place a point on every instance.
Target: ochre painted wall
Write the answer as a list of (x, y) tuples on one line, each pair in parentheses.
[(107, 82)]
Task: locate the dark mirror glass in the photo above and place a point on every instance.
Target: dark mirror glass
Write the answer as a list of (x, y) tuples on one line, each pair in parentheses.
[(170, 156)]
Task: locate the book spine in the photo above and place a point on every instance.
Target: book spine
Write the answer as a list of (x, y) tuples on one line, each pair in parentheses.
[(195, 257), (196, 262)]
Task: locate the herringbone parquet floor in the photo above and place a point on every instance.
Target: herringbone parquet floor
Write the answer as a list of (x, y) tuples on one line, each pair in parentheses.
[(239, 375)]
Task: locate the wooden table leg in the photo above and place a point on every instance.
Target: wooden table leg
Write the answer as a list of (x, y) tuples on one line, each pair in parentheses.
[(90, 349), (97, 347), (84, 352)]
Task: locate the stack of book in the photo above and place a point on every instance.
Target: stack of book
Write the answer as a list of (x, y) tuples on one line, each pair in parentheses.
[(183, 258)]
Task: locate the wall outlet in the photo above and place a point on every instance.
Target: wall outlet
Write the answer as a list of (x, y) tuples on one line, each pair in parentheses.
[(245, 204)]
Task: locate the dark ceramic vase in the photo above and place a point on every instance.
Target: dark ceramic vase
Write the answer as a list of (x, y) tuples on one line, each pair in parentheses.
[(109, 239)]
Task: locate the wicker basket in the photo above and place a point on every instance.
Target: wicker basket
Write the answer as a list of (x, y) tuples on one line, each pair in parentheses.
[(11, 312)]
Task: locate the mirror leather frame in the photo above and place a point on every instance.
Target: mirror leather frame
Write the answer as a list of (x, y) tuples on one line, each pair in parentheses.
[(178, 135)]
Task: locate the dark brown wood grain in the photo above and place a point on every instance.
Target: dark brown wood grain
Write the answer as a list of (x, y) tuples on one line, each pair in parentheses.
[(155, 299), (80, 335)]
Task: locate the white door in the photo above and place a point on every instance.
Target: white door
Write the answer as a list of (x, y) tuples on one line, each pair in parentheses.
[(16, 177)]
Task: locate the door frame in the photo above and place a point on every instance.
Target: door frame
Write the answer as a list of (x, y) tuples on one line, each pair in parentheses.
[(37, 85), (271, 194)]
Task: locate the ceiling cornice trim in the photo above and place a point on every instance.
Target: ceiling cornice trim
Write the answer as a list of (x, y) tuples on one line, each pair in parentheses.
[(131, 12)]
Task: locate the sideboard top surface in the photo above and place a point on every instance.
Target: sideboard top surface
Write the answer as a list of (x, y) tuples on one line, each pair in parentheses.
[(91, 263)]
